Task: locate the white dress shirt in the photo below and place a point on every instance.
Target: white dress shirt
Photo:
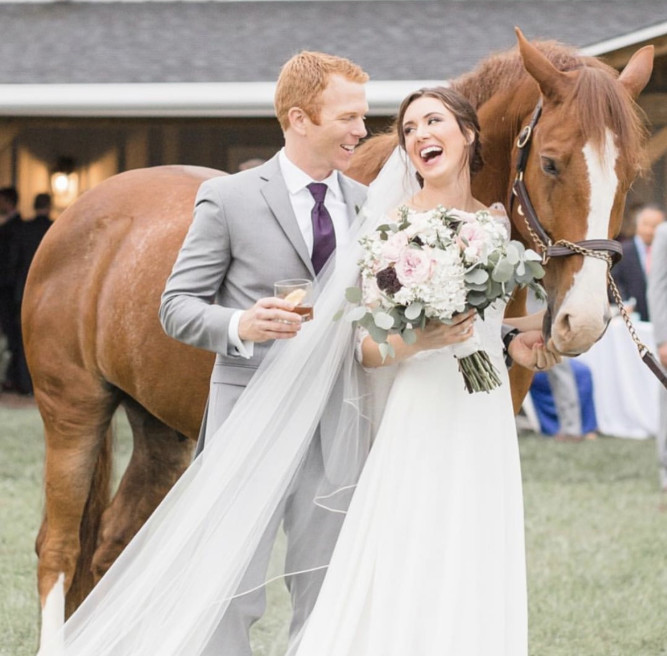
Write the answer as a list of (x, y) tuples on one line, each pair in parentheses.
[(302, 201), (641, 251)]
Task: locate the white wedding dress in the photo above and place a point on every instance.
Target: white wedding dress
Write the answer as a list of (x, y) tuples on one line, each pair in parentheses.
[(431, 559)]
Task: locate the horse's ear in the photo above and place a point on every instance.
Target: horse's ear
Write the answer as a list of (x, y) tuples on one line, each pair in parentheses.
[(636, 74), (553, 83)]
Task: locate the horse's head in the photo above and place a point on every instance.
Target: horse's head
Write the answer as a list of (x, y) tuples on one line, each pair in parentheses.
[(587, 148)]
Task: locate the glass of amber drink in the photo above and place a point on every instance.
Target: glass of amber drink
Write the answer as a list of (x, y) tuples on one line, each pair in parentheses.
[(298, 291)]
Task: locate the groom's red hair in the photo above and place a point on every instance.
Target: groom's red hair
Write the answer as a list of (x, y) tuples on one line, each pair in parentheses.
[(304, 77)]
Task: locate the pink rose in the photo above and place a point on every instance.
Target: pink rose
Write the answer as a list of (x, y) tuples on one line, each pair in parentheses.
[(475, 236), (413, 267), (394, 246)]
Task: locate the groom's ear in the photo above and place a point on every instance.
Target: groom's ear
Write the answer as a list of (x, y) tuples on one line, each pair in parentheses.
[(297, 119)]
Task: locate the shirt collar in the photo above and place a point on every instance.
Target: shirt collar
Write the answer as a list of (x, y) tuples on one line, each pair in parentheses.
[(296, 179)]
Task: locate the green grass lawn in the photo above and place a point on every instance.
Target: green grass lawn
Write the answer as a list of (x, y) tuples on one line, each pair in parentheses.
[(596, 530)]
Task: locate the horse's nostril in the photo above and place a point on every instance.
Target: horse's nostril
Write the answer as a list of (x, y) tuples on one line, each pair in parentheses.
[(564, 324)]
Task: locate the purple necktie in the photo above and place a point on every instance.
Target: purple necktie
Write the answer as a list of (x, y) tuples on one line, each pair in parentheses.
[(324, 237)]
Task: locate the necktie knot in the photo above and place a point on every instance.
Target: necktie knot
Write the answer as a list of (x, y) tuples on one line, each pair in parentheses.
[(318, 191)]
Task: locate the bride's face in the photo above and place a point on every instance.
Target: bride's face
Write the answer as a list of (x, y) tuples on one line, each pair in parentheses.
[(434, 141)]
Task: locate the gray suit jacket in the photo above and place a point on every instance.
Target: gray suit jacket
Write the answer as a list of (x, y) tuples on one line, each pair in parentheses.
[(657, 285), (244, 237)]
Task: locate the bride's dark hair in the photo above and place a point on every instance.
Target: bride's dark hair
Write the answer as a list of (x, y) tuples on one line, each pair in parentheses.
[(463, 112)]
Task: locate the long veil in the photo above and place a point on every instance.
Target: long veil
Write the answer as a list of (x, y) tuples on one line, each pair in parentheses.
[(170, 587)]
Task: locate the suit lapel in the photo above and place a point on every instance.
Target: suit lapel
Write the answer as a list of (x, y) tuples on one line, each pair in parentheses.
[(277, 198)]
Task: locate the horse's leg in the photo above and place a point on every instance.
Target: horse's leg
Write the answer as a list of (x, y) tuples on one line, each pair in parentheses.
[(159, 456), (76, 418), (520, 382)]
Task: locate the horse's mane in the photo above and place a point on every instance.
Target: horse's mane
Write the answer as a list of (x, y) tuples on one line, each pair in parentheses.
[(504, 70), (599, 101)]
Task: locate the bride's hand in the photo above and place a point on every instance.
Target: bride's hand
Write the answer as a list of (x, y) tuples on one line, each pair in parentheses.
[(436, 335), (531, 352)]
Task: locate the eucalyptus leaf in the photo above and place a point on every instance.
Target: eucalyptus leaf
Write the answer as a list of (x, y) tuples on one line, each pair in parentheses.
[(476, 276), (353, 294), (396, 315), (503, 271), (540, 292), (383, 320), (378, 335), (386, 350), (524, 278), (413, 311), (357, 313), (536, 269), (409, 336), (494, 289), (476, 299), (513, 256)]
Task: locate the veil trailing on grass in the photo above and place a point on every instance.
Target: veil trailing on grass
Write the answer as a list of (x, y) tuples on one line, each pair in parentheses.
[(170, 587)]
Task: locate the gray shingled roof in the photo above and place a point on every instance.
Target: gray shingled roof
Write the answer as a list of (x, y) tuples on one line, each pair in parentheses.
[(248, 41)]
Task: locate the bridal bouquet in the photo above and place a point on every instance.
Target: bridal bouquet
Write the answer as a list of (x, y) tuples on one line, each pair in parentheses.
[(432, 266)]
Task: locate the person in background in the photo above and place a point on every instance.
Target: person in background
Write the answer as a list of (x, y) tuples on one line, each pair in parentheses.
[(630, 274), (9, 309), (657, 302), (29, 235)]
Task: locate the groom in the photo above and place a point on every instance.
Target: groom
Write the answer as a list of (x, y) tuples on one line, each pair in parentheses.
[(277, 221)]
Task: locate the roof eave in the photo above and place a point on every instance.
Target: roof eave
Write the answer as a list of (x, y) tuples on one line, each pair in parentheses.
[(222, 99)]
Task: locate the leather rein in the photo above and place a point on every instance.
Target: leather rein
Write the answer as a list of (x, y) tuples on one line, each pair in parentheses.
[(608, 250)]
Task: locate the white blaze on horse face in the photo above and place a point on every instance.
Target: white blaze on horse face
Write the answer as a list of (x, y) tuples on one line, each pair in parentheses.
[(51, 642), (584, 313)]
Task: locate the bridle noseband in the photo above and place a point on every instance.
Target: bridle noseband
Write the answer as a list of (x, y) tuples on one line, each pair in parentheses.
[(605, 249)]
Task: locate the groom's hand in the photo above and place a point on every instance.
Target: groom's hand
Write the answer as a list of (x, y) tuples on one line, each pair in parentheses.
[(529, 350), (269, 318)]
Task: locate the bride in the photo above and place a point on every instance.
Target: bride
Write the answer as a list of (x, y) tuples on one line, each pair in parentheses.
[(431, 556), (430, 559)]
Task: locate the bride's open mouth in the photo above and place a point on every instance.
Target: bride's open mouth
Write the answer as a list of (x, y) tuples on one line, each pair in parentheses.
[(430, 153)]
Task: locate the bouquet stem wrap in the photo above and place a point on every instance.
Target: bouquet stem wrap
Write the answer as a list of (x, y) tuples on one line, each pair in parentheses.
[(479, 374)]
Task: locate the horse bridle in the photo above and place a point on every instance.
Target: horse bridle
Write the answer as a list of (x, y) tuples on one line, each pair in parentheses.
[(608, 250)]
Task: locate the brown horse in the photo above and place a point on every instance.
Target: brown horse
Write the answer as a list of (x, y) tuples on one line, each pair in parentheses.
[(93, 340)]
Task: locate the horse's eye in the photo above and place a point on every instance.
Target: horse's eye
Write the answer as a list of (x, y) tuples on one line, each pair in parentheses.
[(549, 166)]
